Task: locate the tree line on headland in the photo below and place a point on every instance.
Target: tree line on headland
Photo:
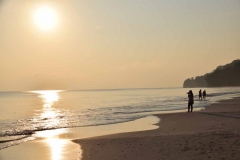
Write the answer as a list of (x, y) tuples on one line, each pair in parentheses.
[(226, 75)]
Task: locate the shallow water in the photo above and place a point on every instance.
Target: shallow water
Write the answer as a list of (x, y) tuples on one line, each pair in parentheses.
[(57, 145)]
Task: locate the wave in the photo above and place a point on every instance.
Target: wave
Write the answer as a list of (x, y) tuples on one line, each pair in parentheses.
[(222, 93)]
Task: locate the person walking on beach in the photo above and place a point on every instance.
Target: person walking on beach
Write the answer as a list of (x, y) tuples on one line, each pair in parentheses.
[(200, 94), (204, 94), (190, 100)]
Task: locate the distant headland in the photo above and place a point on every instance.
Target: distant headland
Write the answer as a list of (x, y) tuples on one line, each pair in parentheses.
[(226, 75)]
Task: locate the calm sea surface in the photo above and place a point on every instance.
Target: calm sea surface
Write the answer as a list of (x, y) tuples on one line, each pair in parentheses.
[(23, 113)]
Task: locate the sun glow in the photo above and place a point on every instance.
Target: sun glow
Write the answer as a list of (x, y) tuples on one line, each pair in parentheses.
[(45, 18)]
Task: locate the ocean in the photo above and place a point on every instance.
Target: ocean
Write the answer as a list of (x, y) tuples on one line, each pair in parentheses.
[(24, 113)]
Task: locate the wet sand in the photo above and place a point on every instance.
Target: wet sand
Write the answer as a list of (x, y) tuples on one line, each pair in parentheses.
[(212, 133), (57, 144)]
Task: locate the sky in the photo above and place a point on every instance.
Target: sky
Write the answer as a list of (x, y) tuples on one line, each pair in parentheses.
[(109, 44)]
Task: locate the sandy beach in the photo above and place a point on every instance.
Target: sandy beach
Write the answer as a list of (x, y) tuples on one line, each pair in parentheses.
[(212, 133)]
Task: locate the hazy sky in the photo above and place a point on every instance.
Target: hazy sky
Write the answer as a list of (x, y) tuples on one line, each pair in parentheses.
[(100, 44)]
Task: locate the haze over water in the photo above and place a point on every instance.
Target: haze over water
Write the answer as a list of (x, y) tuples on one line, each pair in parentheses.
[(69, 45)]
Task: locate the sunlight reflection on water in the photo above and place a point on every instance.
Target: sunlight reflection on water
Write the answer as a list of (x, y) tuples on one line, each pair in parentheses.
[(51, 137), (55, 143), (49, 98)]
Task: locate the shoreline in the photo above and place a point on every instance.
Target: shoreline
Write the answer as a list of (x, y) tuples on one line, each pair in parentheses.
[(206, 134), (145, 138), (57, 144)]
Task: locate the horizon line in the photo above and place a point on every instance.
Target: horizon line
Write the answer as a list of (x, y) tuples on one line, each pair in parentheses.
[(90, 89)]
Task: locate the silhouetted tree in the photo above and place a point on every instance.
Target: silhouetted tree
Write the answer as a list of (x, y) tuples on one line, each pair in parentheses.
[(227, 75)]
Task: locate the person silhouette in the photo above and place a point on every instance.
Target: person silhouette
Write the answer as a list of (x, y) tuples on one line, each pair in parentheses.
[(204, 94), (200, 94), (190, 100)]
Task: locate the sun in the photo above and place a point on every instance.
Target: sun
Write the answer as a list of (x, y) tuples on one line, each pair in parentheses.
[(45, 18)]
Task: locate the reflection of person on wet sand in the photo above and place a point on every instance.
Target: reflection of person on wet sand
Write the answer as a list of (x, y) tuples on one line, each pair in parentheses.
[(204, 94), (200, 94), (190, 100)]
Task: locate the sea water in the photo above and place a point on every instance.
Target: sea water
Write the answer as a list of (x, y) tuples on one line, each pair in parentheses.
[(24, 113)]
